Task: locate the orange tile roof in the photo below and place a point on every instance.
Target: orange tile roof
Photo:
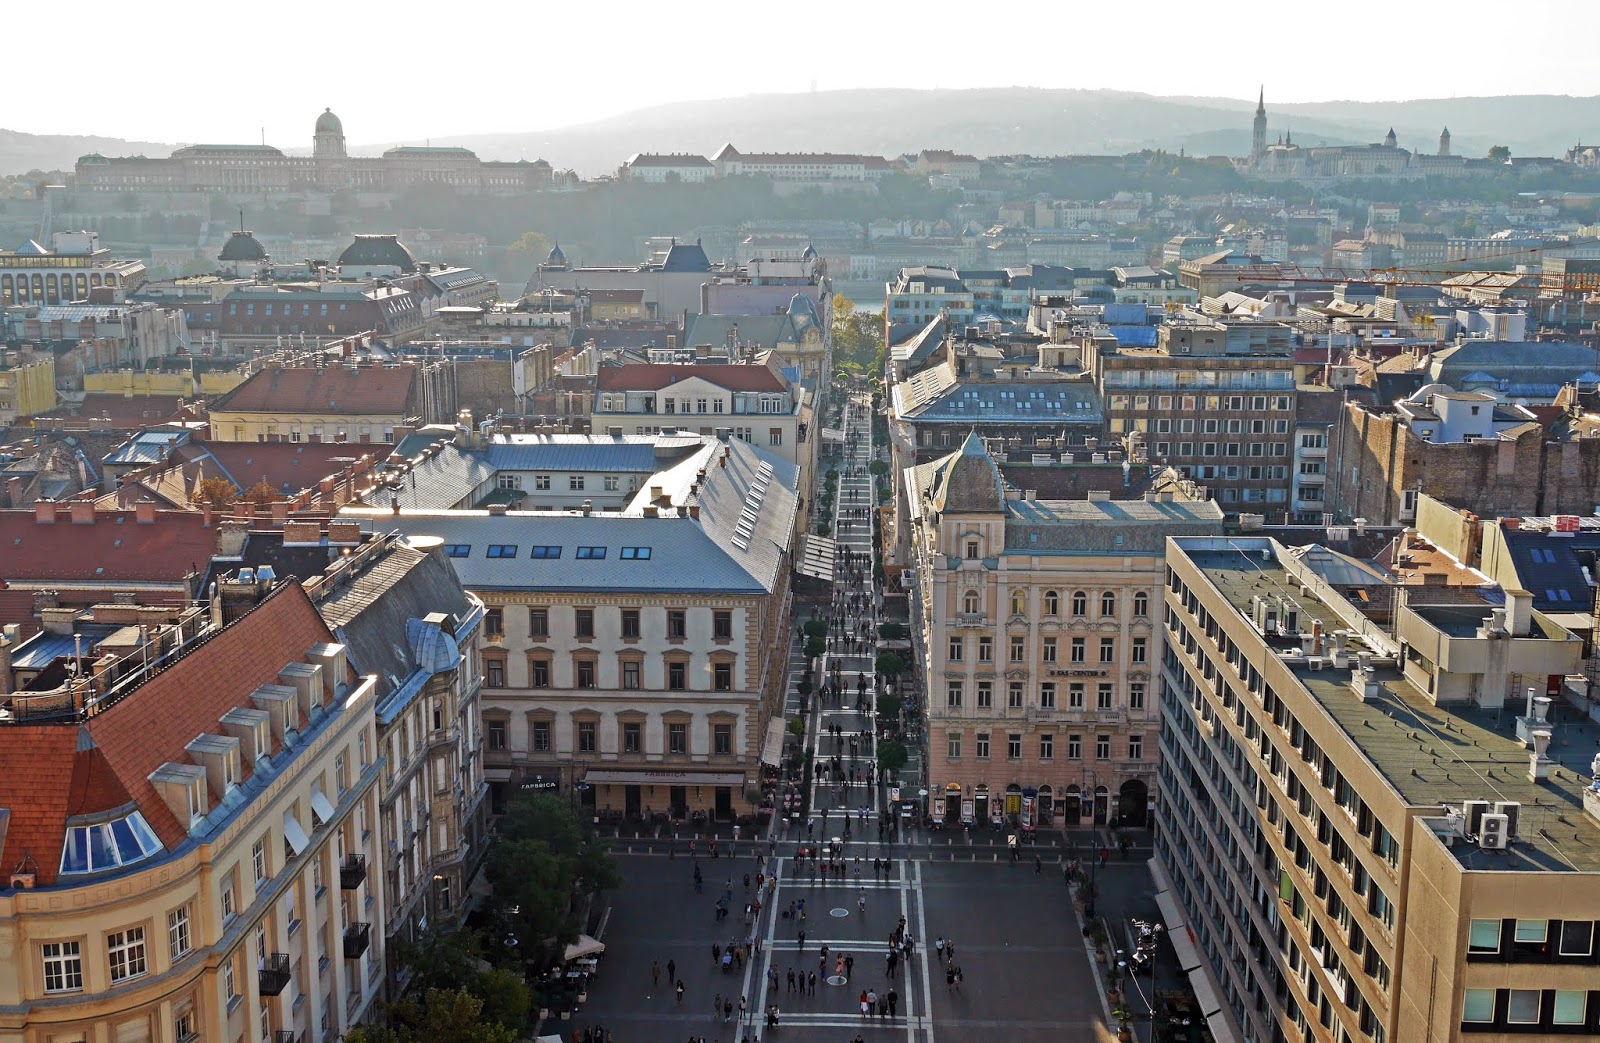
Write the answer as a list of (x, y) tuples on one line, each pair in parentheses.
[(153, 724), (333, 390), (650, 376), (36, 766), (115, 547)]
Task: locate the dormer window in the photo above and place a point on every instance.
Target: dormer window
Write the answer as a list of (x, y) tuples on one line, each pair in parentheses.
[(99, 847), (972, 550)]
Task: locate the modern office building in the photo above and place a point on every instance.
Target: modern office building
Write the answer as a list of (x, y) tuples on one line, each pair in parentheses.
[(1036, 623), (1377, 820)]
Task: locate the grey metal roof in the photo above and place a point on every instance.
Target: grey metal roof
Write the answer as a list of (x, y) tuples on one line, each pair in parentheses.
[(146, 447), (1012, 402), (737, 545)]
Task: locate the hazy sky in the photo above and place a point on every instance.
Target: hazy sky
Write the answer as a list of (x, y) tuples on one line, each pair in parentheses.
[(184, 72)]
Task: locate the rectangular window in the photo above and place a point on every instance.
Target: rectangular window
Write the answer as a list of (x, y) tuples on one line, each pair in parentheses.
[(494, 623), (583, 622), (586, 737), (636, 554), (981, 746), (1019, 648), (952, 695), (630, 675), (1136, 747), (722, 677), (775, 436), (630, 622), (591, 553), (985, 695), (722, 625), (1108, 650), (1075, 695), (678, 738), (972, 550), (1577, 937), (502, 550), (1103, 696), (985, 649), (545, 553), (258, 859), (957, 645), (676, 674), (953, 746), (1014, 695), (1523, 1007), (458, 550), (125, 953), (178, 940), (538, 673), (539, 622), (541, 736), (1048, 650), (1102, 747), (1047, 695), (613, 483), (1484, 936), (1532, 932), (497, 734), (1047, 747), (1074, 747), (677, 623), (1014, 746), (63, 967), (1570, 1007), (1079, 650), (1140, 648), (632, 737), (575, 483), (584, 671), (494, 673), (1136, 696), (722, 739)]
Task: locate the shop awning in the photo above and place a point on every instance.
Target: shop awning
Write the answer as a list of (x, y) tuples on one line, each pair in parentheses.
[(772, 749), (662, 778), (1206, 994), (584, 946), (497, 774), (1221, 1028)]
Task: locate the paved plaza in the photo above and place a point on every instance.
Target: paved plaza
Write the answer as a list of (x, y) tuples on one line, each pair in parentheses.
[(1027, 974)]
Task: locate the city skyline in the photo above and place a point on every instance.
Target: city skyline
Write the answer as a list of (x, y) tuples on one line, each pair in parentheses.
[(572, 85)]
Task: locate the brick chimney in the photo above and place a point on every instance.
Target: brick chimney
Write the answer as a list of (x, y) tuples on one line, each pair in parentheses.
[(44, 512), (83, 512), (145, 512)]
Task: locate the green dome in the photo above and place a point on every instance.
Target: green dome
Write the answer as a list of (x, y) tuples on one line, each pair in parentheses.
[(328, 123)]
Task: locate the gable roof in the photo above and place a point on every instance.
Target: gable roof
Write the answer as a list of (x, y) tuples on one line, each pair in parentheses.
[(116, 548), (338, 390), (653, 376)]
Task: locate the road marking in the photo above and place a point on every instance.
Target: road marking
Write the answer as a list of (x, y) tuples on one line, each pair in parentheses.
[(922, 953)]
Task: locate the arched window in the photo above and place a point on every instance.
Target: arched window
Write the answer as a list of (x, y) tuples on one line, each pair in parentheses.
[(1080, 603), (969, 601), (1141, 605), (1108, 603), (1052, 603), (1019, 604)]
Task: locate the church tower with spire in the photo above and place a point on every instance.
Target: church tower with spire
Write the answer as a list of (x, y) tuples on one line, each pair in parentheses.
[(1444, 142), (1258, 132)]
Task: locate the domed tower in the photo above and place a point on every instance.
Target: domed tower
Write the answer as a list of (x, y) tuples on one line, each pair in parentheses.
[(328, 141), (1444, 142)]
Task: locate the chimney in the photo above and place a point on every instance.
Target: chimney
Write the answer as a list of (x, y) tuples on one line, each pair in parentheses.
[(694, 511), (588, 507), (651, 511), (44, 512), (145, 512), (656, 493), (1538, 762), (498, 509), (83, 512), (230, 544), (1519, 612)]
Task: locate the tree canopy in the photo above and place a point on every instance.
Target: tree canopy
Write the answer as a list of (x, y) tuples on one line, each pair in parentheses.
[(545, 862)]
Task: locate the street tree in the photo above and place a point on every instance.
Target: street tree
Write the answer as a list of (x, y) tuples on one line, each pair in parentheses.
[(1499, 153)]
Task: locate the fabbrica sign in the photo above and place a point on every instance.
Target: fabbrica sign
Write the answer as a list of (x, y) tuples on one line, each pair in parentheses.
[(540, 782)]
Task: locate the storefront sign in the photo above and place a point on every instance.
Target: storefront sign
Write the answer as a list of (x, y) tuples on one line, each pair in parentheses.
[(1080, 673), (537, 783)]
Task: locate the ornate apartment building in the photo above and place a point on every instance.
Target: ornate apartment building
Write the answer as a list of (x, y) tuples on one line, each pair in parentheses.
[(634, 659), (187, 814), (1036, 622)]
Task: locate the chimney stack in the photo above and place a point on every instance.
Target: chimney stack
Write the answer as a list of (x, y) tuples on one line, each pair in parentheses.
[(44, 512), (145, 512)]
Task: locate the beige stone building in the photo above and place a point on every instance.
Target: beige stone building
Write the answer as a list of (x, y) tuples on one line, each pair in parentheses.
[(186, 818), (1036, 623), (1377, 816), (633, 658)]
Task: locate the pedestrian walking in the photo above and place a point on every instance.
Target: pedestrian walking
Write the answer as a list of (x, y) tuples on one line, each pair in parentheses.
[(680, 992), (802, 937), (893, 999), (811, 981), (655, 975), (849, 966), (791, 979), (672, 971)]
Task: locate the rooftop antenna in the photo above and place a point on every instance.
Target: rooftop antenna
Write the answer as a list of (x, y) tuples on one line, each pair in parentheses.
[(241, 219)]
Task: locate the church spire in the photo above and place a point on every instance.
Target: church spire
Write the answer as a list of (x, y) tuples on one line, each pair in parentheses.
[(1261, 103)]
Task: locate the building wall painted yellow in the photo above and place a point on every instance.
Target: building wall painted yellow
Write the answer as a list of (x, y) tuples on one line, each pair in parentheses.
[(128, 382), (229, 426), (28, 389)]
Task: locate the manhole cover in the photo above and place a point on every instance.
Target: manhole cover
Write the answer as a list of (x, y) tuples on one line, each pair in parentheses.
[(838, 912), (836, 979)]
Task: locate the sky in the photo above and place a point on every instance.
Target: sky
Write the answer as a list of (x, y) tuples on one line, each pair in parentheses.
[(173, 72)]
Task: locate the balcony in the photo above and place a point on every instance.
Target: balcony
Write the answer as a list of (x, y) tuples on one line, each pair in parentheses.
[(285, 1036), (970, 619), (352, 872), (274, 973), (356, 939)]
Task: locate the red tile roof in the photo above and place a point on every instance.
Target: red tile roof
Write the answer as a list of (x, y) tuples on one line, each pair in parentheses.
[(331, 389), (116, 547), (300, 465), (650, 376), (153, 724), (122, 410), (45, 778)]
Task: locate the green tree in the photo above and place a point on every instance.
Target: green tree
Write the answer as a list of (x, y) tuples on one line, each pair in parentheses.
[(442, 1016), (815, 646), (889, 664), (527, 253), (891, 756), (816, 628), (1499, 153), (892, 631), (546, 862), (888, 705)]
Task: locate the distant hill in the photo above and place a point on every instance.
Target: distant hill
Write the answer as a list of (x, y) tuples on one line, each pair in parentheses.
[(984, 122), (20, 153), (1041, 122)]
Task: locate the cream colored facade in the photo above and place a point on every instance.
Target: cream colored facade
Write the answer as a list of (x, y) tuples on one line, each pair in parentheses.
[(1037, 626), (191, 947), (1322, 865), (27, 389), (228, 426)]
